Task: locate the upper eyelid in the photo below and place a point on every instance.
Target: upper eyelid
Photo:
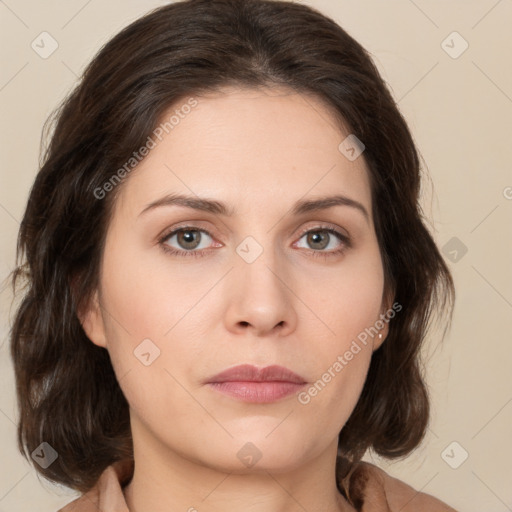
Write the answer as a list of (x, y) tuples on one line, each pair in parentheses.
[(192, 226)]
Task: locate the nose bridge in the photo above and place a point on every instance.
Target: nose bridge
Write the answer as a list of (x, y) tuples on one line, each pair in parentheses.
[(258, 245), (261, 297), (260, 266)]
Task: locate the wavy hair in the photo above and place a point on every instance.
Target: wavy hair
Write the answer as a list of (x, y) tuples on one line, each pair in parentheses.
[(66, 389)]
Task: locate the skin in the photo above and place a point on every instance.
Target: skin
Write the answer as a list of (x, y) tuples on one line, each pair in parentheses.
[(258, 151)]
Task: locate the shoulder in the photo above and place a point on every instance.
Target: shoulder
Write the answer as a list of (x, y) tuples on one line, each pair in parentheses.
[(107, 494), (87, 502), (398, 495)]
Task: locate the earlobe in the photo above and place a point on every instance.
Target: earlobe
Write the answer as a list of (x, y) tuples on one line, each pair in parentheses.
[(383, 333), (91, 320), (379, 340)]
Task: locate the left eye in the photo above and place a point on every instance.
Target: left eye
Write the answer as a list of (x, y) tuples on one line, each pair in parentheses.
[(322, 238)]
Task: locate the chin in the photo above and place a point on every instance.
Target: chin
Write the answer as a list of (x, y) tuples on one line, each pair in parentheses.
[(252, 454)]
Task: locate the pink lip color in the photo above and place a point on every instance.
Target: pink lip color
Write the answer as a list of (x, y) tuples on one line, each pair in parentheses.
[(256, 392), (250, 384)]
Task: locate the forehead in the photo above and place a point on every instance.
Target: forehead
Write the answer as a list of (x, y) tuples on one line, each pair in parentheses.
[(246, 147)]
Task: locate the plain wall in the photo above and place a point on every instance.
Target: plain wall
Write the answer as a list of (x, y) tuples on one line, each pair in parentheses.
[(459, 108)]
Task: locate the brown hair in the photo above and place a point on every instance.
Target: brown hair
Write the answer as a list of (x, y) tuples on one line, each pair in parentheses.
[(67, 392)]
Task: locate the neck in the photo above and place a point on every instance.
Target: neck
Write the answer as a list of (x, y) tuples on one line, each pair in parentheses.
[(164, 480)]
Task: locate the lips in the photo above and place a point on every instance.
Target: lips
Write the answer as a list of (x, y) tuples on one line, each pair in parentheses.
[(249, 373), (250, 384)]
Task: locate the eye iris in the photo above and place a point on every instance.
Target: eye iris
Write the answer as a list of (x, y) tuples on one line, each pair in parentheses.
[(317, 236), (187, 237)]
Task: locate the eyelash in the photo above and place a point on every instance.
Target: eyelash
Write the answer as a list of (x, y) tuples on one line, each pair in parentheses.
[(347, 244)]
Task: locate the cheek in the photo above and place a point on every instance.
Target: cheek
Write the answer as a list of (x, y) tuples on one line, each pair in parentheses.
[(347, 299), (152, 326), (342, 354), (349, 305), (148, 297)]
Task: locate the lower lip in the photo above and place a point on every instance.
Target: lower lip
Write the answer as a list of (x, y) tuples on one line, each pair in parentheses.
[(257, 392)]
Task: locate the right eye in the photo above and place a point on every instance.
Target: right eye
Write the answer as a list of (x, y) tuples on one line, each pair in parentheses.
[(189, 239)]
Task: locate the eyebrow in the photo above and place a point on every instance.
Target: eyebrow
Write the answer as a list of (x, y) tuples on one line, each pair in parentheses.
[(218, 208)]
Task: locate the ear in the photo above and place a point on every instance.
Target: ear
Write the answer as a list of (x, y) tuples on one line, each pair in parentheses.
[(379, 339), (92, 321), (385, 318)]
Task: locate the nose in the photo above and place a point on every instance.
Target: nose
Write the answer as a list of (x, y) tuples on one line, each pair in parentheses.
[(260, 299)]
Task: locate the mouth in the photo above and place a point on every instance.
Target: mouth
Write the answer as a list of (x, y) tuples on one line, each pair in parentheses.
[(247, 383)]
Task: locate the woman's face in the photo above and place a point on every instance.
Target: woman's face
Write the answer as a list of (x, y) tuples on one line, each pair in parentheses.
[(262, 283)]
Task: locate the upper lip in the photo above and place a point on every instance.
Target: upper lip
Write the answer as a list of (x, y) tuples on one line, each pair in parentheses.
[(250, 373)]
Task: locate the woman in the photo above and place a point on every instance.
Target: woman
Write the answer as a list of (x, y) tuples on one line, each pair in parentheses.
[(182, 344)]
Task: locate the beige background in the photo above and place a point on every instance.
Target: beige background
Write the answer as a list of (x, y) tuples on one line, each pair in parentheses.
[(460, 112)]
